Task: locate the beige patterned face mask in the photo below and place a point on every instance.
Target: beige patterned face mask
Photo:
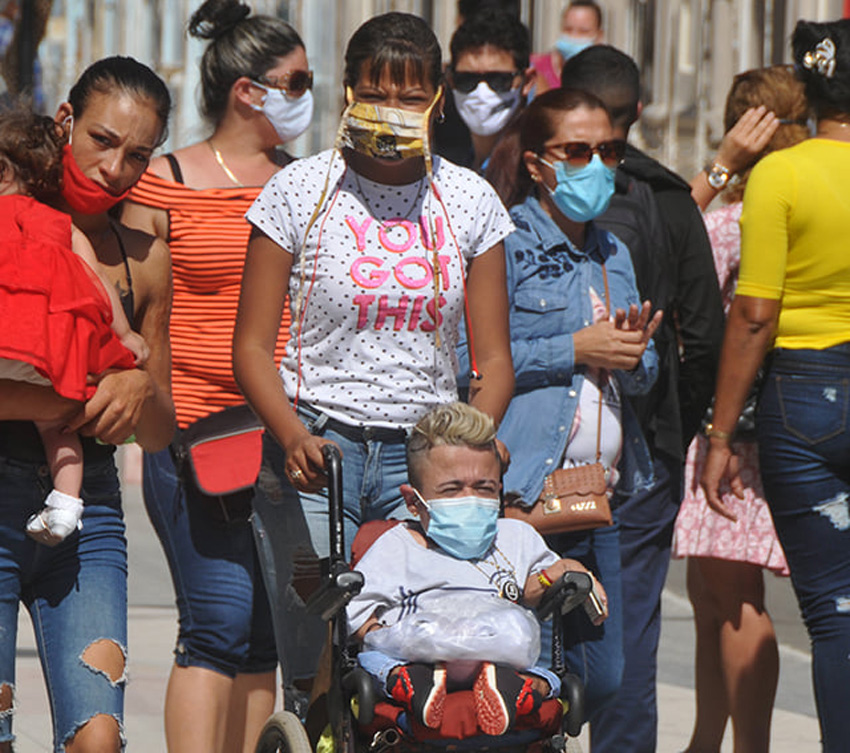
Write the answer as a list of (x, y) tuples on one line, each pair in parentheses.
[(386, 132)]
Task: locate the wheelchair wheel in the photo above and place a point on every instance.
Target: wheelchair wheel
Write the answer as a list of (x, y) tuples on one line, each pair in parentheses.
[(283, 733)]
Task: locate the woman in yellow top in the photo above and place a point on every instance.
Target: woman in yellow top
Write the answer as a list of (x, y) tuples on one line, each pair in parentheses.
[(793, 299)]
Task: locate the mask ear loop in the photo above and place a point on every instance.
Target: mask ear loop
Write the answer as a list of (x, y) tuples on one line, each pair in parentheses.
[(299, 314)]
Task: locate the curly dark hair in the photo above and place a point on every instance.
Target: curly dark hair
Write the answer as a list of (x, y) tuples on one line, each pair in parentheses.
[(31, 150), (493, 29)]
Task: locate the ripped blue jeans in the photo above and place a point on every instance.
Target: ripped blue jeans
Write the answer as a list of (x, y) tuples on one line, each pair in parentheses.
[(76, 593), (804, 451)]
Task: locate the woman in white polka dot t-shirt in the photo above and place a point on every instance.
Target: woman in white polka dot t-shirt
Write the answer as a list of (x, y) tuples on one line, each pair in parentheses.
[(379, 255)]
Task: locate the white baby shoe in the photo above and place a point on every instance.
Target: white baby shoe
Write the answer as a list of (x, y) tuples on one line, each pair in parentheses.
[(60, 516)]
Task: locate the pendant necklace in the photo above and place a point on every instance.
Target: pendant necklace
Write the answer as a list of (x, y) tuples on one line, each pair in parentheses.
[(505, 581), (227, 171)]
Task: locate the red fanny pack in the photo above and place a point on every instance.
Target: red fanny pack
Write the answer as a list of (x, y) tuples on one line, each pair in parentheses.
[(223, 451)]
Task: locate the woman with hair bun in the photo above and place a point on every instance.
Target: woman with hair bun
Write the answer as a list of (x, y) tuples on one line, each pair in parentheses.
[(793, 304), (255, 94)]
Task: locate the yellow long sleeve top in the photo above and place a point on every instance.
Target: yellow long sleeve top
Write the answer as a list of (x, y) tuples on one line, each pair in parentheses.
[(795, 241)]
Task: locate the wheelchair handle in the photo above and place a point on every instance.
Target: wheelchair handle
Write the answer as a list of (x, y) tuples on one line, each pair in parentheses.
[(333, 469)]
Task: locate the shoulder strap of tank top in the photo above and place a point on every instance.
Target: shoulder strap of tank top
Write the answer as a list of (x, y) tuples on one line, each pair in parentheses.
[(128, 302), (175, 168)]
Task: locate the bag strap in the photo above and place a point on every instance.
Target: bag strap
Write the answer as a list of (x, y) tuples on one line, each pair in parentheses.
[(603, 375)]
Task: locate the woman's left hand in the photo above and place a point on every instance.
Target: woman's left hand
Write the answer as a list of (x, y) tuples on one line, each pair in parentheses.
[(720, 463), (637, 319)]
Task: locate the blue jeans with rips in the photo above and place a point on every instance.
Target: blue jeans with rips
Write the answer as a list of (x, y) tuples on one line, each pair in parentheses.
[(292, 533), (75, 592), (804, 452)]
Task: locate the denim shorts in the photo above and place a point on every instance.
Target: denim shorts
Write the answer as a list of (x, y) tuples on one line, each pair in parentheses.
[(76, 593), (293, 535), (224, 619)]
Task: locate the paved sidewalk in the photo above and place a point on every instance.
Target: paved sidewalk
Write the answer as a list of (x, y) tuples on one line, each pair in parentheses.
[(153, 629)]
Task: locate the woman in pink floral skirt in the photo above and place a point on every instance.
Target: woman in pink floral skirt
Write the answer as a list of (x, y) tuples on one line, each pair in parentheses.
[(737, 662)]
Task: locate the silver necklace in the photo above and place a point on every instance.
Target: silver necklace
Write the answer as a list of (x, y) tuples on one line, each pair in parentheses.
[(372, 212), (505, 580)]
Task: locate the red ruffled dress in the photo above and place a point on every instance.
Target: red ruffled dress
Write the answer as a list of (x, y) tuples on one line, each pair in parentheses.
[(54, 313)]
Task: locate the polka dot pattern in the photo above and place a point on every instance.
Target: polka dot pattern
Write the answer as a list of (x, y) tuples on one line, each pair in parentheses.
[(369, 352)]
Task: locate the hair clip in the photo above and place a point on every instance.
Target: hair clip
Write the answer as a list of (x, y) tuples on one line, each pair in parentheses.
[(822, 58)]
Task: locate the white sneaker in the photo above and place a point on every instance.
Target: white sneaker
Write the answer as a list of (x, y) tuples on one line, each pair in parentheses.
[(57, 520)]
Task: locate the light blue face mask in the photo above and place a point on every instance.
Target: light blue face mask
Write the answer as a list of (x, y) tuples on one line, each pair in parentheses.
[(569, 46), (582, 193), (464, 527)]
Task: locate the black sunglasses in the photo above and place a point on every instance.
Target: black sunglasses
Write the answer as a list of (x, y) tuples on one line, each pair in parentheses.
[(293, 83), (579, 153), (498, 81)]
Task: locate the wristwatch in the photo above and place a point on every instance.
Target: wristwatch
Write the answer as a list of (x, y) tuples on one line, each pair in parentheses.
[(718, 175)]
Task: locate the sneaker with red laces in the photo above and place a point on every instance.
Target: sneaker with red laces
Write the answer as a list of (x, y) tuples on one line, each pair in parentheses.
[(421, 689), (501, 695)]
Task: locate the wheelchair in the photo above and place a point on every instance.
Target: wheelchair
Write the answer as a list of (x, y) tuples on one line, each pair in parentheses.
[(361, 722)]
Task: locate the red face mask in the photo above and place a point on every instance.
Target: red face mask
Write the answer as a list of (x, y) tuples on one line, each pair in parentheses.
[(81, 192)]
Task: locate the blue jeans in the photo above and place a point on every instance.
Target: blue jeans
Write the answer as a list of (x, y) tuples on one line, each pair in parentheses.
[(594, 653), (630, 722), (804, 452), (292, 531), (224, 617), (75, 592)]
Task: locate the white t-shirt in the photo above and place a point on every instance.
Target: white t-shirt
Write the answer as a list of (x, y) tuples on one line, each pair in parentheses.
[(403, 577), (368, 346)]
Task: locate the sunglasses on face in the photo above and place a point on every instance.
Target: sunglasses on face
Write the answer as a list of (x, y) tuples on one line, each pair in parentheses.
[(293, 83), (498, 81), (579, 153)]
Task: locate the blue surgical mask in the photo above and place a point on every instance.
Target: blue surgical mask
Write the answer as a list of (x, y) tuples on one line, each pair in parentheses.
[(582, 193), (569, 46), (464, 527)]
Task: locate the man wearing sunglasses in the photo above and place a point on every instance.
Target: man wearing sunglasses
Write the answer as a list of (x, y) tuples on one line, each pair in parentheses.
[(653, 213), (489, 78)]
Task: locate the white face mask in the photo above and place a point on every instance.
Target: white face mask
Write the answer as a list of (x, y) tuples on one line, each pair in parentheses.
[(484, 111), (289, 117)]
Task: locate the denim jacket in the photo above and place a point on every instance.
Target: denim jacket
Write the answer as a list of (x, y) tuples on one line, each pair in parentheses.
[(548, 284)]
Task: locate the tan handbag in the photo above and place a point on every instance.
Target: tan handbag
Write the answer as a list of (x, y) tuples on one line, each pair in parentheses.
[(573, 499)]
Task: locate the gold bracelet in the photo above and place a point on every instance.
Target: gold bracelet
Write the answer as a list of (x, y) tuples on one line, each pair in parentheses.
[(711, 431)]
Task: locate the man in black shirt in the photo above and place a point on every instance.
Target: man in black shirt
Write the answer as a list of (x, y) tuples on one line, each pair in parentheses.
[(653, 213)]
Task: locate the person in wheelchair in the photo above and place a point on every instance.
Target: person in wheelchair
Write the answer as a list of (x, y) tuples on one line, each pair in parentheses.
[(459, 568)]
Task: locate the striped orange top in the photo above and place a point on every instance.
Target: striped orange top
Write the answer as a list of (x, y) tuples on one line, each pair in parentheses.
[(208, 237)]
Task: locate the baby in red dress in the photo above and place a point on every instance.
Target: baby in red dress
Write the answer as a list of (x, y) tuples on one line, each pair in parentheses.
[(61, 321)]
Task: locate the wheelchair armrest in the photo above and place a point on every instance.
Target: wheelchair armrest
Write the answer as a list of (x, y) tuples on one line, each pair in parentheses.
[(358, 682), (338, 589), (572, 692), (566, 593)]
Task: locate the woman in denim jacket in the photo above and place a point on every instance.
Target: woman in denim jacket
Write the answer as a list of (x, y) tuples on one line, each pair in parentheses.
[(570, 346)]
